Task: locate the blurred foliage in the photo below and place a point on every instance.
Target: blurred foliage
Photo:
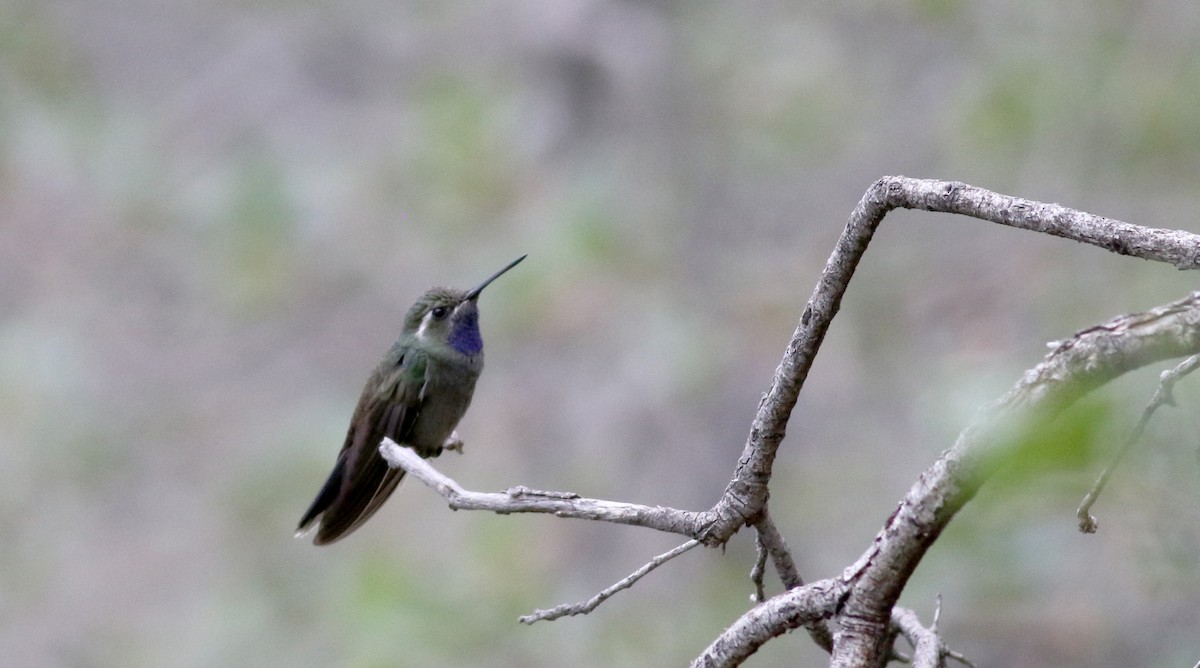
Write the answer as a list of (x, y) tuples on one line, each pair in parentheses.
[(213, 216), (1041, 446)]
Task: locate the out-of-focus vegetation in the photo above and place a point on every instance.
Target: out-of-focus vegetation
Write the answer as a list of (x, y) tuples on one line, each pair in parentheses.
[(213, 215)]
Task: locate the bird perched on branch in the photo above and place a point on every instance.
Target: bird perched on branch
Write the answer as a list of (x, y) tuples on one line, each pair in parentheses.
[(416, 396)]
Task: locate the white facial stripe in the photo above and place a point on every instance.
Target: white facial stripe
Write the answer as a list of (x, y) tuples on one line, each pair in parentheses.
[(424, 324)]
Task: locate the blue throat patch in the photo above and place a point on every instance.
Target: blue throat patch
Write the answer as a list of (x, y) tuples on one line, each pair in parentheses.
[(465, 336)]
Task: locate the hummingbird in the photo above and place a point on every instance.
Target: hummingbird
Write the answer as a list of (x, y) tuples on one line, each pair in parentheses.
[(416, 396)]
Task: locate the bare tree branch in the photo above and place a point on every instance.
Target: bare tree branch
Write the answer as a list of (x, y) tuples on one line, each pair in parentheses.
[(1077, 366), (1163, 395), (862, 599), (775, 616), (524, 500), (771, 542), (589, 605), (929, 650), (746, 493), (776, 546), (759, 570), (946, 488), (872, 584), (1179, 248)]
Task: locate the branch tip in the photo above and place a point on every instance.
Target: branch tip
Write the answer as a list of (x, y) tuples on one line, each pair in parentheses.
[(584, 607)]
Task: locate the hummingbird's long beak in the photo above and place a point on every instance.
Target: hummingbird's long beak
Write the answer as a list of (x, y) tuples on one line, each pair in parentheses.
[(473, 294)]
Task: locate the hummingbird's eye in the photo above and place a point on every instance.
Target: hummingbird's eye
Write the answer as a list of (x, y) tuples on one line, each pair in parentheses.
[(439, 312)]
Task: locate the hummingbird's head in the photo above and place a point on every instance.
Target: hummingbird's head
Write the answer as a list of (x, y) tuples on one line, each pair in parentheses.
[(446, 316), (451, 317)]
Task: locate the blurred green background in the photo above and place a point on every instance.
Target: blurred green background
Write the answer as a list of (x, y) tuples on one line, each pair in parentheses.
[(214, 214)]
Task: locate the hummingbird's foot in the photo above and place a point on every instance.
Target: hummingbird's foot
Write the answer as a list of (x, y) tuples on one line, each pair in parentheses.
[(454, 443)]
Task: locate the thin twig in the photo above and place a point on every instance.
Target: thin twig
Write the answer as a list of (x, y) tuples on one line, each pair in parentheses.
[(929, 650), (524, 500), (777, 548), (759, 570), (1162, 395), (584, 607), (769, 537), (959, 657)]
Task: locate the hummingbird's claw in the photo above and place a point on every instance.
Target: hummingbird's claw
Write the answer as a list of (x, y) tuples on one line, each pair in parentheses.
[(454, 443)]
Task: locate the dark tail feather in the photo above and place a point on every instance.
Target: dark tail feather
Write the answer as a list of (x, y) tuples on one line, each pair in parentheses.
[(325, 498), (341, 521), (344, 504)]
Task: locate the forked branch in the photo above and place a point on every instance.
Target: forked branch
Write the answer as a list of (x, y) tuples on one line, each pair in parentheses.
[(861, 601), (746, 493)]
